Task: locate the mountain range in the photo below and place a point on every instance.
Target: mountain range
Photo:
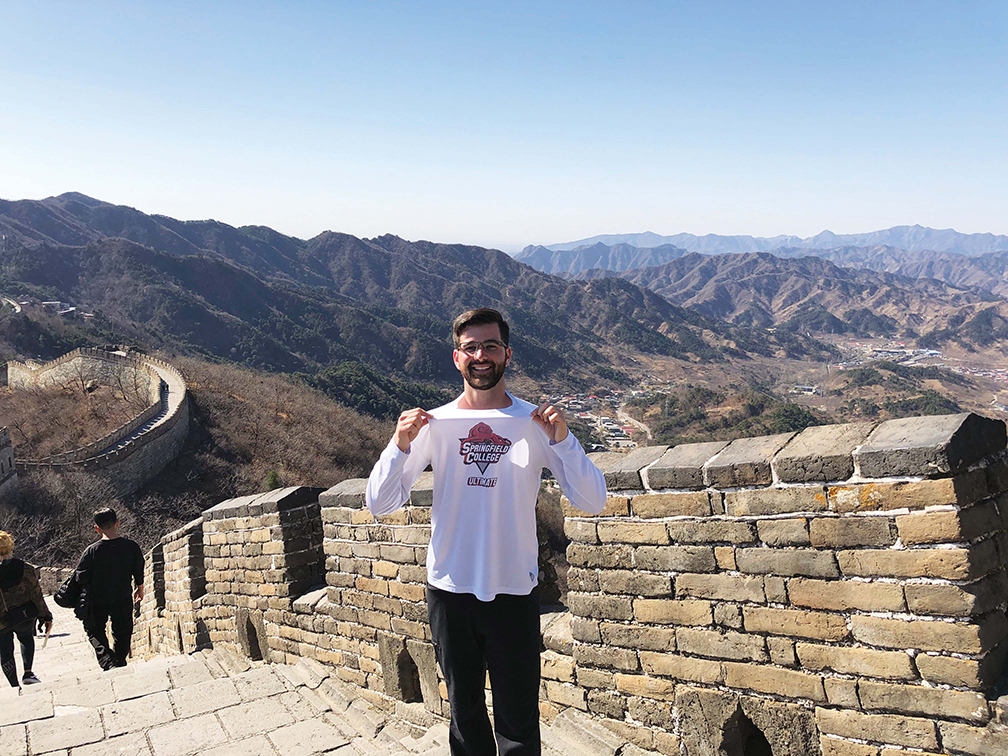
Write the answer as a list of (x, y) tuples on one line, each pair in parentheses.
[(911, 238), (257, 297), (809, 293)]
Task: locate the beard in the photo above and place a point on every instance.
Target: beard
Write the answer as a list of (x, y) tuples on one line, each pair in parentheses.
[(486, 380)]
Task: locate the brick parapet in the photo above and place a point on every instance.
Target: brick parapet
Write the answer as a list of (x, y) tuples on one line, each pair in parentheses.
[(851, 615), (131, 464)]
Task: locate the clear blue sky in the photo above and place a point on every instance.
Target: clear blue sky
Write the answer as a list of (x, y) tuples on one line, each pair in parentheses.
[(514, 123)]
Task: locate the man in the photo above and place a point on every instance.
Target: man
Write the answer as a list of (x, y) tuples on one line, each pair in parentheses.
[(487, 449), (108, 571)]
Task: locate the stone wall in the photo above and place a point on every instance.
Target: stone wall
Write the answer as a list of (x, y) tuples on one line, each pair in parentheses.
[(840, 591), (8, 472), (90, 366), (127, 464)]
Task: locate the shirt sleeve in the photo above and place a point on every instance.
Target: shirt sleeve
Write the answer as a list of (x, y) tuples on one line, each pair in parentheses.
[(83, 573), (395, 472), (138, 566), (579, 479)]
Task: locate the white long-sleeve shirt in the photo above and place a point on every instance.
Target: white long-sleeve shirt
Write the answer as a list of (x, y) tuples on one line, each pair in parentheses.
[(487, 469)]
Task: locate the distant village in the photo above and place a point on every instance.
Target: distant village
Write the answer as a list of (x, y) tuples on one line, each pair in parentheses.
[(62, 309)]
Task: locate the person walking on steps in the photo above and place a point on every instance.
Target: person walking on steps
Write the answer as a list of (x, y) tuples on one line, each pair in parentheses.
[(22, 607), (108, 571), (488, 450)]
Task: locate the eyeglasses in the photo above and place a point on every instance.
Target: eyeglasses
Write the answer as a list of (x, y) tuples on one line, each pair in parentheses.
[(490, 347)]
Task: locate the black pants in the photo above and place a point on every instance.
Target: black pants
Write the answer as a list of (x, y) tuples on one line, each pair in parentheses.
[(473, 637), (26, 637), (122, 633)]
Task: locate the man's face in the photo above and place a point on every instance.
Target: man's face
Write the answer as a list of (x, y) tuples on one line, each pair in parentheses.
[(483, 369)]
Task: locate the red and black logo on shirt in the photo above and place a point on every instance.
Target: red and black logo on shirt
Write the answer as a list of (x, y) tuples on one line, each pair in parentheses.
[(482, 447)]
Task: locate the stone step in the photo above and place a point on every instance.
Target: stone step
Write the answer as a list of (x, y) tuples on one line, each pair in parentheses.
[(584, 734)]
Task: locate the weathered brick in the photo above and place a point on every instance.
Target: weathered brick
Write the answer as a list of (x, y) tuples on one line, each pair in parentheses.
[(682, 466), (720, 587), (606, 703), (950, 526), (645, 687), (566, 695), (952, 564), (798, 623), (881, 728), (585, 630), (773, 680), (651, 712), (745, 462), (881, 497), (637, 637), (979, 597), (407, 591), (626, 582), (728, 615), (866, 662), (792, 531), (712, 531), (931, 635), (770, 501), (668, 612), (371, 585), (725, 558), (684, 668), (844, 595), (782, 651), (605, 657), (976, 741), (687, 504), (581, 531), (600, 607), (947, 670), (582, 555), (924, 701), (675, 558), (787, 562), (595, 678), (615, 506), (846, 532), (633, 532), (776, 589), (727, 645), (583, 581), (838, 747), (841, 691)]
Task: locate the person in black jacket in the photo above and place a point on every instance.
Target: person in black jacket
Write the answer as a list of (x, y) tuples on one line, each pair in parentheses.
[(21, 608), (108, 571)]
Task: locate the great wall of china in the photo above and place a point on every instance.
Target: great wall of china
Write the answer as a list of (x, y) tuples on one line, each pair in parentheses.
[(135, 452), (839, 591)]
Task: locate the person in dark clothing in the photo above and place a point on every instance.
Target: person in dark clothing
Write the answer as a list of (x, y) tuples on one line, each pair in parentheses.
[(21, 608), (108, 570)]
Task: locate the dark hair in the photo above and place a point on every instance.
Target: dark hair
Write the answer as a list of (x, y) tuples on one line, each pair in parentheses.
[(479, 316), (105, 518)]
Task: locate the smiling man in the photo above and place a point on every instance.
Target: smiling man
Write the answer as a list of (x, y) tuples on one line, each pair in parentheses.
[(488, 449)]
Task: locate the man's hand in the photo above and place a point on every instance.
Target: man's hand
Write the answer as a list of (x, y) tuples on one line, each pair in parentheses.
[(138, 594), (409, 425), (551, 420), (44, 626)]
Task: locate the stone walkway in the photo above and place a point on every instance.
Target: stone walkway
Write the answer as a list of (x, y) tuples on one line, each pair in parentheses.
[(214, 703), (171, 397)]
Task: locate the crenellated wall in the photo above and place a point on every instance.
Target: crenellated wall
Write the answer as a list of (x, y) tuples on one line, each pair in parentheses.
[(139, 449), (839, 591)]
